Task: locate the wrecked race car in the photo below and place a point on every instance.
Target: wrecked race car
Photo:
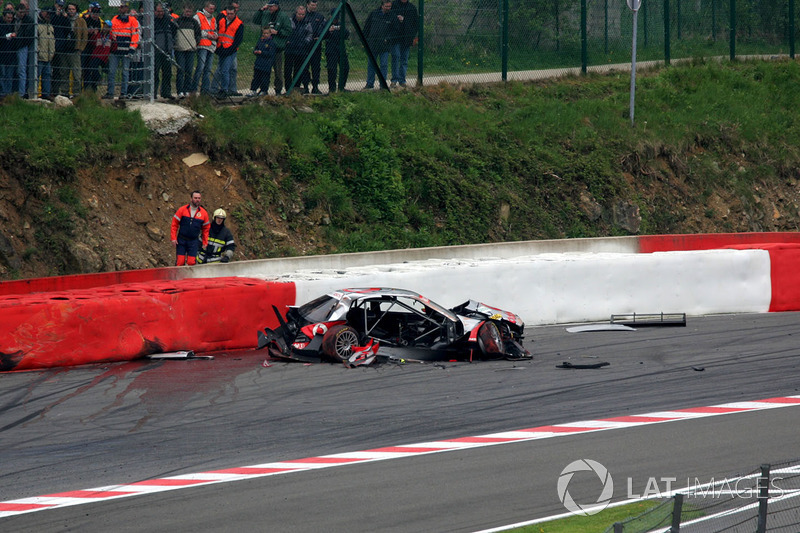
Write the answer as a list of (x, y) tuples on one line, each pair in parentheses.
[(358, 326)]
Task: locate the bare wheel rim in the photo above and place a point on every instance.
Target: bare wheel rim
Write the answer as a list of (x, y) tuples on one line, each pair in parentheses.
[(344, 343)]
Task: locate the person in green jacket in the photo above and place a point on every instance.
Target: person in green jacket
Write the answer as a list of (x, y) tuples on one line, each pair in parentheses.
[(280, 25)]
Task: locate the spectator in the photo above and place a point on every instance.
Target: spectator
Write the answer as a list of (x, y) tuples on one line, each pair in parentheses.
[(297, 48), (220, 241), (73, 53), (100, 52), (125, 40), (380, 31), (46, 50), (24, 28), (408, 24), (336, 54), (280, 25), (232, 86), (317, 22), (231, 33), (8, 55), (90, 64), (163, 38), (262, 67), (65, 40), (205, 47), (190, 227), (136, 82), (186, 38)]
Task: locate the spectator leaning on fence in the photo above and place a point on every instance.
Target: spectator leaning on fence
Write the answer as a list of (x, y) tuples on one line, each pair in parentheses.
[(125, 39), (46, 49), (280, 25), (186, 38), (380, 31), (336, 54), (164, 31), (232, 86), (231, 33), (297, 48), (262, 67), (206, 47), (8, 55), (24, 28), (408, 24)]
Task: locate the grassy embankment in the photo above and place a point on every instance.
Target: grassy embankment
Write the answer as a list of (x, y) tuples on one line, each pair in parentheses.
[(453, 165)]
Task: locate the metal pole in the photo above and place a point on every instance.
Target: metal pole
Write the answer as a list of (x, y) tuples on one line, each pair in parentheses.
[(342, 45), (763, 499), (633, 66), (605, 26), (504, 44), (791, 29), (32, 90), (732, 37), (584, 53), (714, 20), (677, 508), (666, 31), (421, 43)]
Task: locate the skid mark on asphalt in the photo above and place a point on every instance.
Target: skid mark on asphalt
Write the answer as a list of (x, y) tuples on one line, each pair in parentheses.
[(78, 497)]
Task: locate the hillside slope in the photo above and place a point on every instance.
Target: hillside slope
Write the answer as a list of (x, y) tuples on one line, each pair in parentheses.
[(714, 149)]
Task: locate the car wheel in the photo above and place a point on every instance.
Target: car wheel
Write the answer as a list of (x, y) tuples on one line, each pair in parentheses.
[(489, 339), (338, 342)]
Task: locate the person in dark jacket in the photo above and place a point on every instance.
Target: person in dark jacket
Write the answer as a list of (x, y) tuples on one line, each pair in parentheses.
[(89, 62), (280, 25), (65, 43), (23, 42), (164, 31), (380, 31), (336, 55), (262, 67), (190, 227), (8, 54), (297, 48), (221, 245), (317, 22), (408, 25)]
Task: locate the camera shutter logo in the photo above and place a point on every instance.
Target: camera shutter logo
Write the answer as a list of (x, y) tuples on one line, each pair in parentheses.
[(585, 465)]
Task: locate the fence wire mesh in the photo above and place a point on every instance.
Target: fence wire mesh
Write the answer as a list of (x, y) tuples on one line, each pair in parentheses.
[(731, 504), (458, 40)]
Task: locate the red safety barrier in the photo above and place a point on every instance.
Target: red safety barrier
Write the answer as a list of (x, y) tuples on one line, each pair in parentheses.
[(124, 322), (87, 281), (784, 259), (712, 241)]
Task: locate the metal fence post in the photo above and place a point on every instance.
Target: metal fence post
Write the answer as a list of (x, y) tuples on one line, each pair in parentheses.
[(763, 498), (584, 52), (677, 508), (421, 43), (791, 29), (504, 42), (618, 527), (732, 36), (666, 31), (146, 22)]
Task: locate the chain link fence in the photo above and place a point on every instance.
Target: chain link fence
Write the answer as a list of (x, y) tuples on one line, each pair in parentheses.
[(765, 499), (455, 41)]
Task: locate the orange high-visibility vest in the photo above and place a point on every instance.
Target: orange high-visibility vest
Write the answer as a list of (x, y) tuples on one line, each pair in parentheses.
[(206, 25), (227, 33)]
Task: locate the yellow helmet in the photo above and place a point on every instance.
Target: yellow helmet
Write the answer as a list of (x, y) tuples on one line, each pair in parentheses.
[(220, 213)]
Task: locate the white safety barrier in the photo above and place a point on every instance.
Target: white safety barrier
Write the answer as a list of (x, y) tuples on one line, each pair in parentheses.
[(572, 287)]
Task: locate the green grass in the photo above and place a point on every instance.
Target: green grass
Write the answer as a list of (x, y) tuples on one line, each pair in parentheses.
[(597, 523)]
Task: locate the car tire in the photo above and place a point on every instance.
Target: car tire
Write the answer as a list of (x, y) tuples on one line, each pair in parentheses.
[(489, 340), (338, 342)]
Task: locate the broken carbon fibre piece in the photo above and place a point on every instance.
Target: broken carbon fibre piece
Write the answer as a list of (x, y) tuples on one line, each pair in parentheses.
[(650, 319), (567, 364)]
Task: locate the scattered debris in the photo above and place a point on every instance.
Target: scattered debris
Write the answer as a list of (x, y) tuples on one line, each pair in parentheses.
[(650, 319), (567, 364), (189, 354), (698, 368), (599, 327)]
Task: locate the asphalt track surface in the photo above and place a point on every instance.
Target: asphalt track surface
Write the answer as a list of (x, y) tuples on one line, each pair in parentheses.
[(79, 428)]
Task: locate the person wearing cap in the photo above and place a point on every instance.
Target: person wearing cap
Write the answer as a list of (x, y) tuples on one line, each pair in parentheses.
[(280, 25), (125, 39), (90, 64), (221, 245), (190, 228)]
